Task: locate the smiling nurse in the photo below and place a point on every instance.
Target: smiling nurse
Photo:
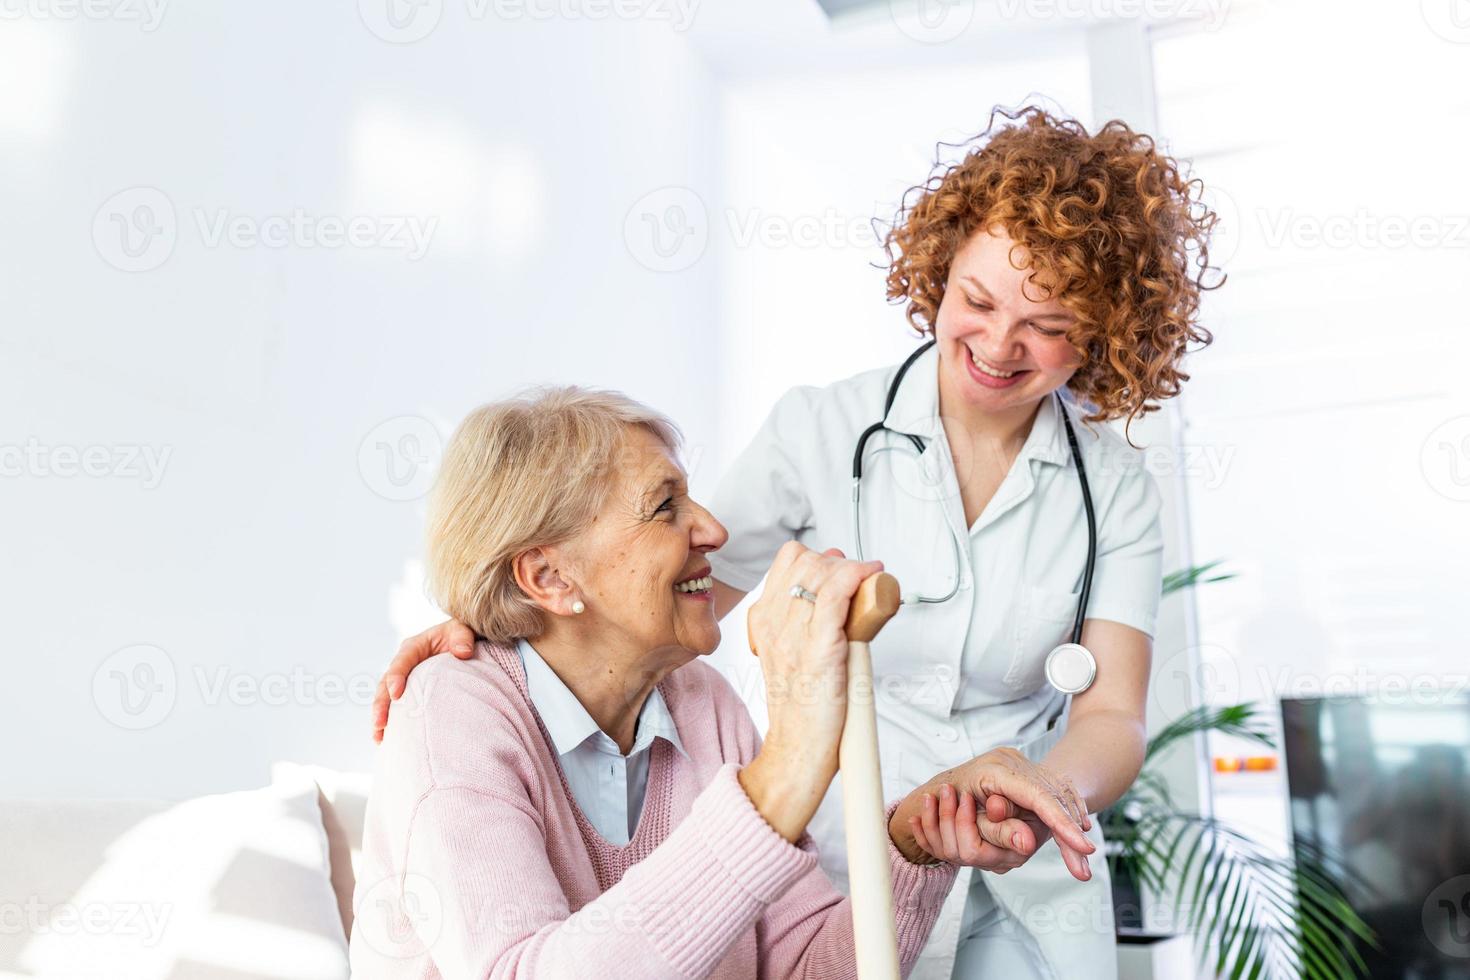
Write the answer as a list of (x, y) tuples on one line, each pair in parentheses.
[(1058, 274)]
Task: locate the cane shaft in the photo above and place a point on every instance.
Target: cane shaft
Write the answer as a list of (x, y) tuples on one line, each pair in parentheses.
[(875, 938)]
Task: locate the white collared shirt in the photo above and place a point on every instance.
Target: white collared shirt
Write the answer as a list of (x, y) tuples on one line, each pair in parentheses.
[(957, 678), (607, 785)]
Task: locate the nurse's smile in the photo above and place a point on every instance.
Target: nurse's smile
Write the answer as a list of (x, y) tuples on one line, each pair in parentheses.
[(1003, 340), (993, 377)]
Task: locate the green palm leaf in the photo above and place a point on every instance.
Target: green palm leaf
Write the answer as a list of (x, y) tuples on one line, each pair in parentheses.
[(1197, 575), (1263, 915)]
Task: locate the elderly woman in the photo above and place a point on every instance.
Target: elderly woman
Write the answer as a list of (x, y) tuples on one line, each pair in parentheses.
[(582, 797)]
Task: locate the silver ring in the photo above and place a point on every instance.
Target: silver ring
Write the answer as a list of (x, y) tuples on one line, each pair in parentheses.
[(802, 592)]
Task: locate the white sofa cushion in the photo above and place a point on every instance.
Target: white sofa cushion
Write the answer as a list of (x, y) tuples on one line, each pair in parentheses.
[(215, 888), (343, 801)]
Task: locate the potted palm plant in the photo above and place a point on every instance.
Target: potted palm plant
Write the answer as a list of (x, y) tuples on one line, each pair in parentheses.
[(1254, 912)]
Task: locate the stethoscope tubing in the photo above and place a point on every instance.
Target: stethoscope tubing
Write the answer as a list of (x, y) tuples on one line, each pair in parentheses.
[(919, 444)]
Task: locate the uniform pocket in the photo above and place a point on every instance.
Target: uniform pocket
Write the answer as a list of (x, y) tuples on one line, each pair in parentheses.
[(1041, 619)]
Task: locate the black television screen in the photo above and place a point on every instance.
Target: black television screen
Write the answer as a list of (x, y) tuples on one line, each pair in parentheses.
[(1387, 787)]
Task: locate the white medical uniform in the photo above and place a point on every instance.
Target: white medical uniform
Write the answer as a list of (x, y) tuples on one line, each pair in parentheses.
[(958, 678)]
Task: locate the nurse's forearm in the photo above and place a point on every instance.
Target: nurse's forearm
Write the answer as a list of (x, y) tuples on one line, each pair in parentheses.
[(1101, 754)]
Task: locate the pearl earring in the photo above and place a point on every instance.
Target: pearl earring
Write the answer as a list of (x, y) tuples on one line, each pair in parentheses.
[(579, 607)]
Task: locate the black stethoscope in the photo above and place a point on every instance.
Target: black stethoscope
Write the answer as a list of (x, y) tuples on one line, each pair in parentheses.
[(1070, 667)]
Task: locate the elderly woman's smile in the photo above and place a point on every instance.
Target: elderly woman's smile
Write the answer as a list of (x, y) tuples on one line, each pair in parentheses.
[(639, 568)]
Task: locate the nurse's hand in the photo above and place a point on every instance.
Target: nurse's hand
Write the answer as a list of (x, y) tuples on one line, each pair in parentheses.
[(449, 636)]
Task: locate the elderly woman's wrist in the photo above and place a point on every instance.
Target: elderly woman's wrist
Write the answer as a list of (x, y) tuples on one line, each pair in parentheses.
[(781, 793), (804, 753), (902, 836)]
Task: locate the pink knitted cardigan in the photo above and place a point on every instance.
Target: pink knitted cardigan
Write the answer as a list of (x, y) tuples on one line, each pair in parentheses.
[(477, 862)]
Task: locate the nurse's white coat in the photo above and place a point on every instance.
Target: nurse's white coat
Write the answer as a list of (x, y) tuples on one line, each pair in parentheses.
[(956, 679)]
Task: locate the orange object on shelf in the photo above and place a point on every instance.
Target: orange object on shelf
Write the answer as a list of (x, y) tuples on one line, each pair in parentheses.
[(1245, 763)]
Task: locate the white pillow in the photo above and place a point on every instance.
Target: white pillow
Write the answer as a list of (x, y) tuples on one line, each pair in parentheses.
[(220, 887), (344, 797)]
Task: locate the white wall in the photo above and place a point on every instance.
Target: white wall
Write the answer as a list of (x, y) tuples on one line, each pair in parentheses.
[(1330, 420), (263, 554)]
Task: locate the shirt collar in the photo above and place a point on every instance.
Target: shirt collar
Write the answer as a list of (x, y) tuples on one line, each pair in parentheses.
[(569, 723), (916, 405), (916, 411)]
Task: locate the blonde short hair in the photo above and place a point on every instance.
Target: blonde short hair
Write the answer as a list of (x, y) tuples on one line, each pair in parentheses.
[(518, 474)]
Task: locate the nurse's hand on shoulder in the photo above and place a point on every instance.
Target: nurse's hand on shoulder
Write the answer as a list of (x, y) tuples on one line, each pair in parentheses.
[(449, 636), (1025, 805)]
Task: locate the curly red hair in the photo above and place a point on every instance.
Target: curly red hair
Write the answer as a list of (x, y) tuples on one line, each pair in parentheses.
[(1111, 227)]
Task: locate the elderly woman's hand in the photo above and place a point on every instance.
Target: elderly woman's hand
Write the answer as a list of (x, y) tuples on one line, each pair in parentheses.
[(955, 827), (1025, 806), (803, 651)]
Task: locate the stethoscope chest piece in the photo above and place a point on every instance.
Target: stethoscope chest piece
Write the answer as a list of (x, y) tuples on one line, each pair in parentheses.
[(1071, 668)]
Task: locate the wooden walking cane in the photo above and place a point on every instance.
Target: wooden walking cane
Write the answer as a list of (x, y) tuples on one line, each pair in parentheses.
[(875, 937)]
